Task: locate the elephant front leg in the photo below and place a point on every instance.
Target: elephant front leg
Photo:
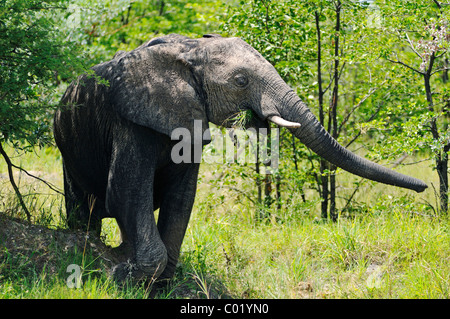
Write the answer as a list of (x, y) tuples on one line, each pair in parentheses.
[(177, 188), (130, 201)]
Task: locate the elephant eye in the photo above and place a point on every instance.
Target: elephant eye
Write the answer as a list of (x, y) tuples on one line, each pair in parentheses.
[(241, 80)]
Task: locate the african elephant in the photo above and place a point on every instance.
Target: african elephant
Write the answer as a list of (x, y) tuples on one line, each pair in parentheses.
[(115, 138)]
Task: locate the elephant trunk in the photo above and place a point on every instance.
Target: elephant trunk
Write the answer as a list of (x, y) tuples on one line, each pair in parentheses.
[(313, 135)]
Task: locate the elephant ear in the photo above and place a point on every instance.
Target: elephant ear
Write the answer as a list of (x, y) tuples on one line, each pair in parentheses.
[(155, 86)]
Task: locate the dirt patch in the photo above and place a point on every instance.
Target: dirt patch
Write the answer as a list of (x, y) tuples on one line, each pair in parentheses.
[(44, 247)]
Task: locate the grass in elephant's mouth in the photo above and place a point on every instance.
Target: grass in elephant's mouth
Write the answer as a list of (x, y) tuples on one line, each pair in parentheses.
[(389, 247), (241, 119)]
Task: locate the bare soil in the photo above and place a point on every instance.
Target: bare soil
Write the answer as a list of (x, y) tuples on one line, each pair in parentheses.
[(41, 245)]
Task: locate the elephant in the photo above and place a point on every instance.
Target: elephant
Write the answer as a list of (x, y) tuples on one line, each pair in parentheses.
[(115, 138)]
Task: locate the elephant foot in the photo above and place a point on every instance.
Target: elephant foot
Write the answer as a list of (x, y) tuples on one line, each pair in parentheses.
[(168, 273), (160, 286), (134, 272)]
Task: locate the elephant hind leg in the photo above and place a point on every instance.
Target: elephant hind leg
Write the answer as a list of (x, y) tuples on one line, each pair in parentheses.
[(82, 210)]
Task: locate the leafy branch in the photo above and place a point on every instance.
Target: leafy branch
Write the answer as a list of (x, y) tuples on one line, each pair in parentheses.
[(406, 65)]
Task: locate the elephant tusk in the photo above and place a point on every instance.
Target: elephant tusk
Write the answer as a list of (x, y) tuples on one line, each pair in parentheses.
[(283, 123)]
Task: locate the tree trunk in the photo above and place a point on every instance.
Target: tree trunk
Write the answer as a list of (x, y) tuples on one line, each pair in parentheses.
[(328, 181), (267, 177), (324, 165), (442, 170), (441, 156), (333, 125), (445, 79), (263, 182), (258, 179)]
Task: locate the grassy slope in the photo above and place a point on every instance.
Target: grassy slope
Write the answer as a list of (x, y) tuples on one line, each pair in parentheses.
[(393, 250)]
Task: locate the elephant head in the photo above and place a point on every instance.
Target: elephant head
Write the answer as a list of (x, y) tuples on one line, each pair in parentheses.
[(171, 81)]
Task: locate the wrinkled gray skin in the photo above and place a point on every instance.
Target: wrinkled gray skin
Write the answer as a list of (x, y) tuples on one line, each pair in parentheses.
[(115, 140)]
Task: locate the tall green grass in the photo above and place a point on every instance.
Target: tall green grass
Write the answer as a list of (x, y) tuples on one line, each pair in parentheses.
[(391, 245), (380, 255)]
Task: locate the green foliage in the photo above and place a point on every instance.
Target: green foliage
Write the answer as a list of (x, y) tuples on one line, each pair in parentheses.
[(34, 56), (405, 44), (277, 29), (104, 27)]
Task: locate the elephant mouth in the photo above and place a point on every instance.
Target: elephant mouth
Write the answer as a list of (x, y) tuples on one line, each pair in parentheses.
[(245, 118)]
